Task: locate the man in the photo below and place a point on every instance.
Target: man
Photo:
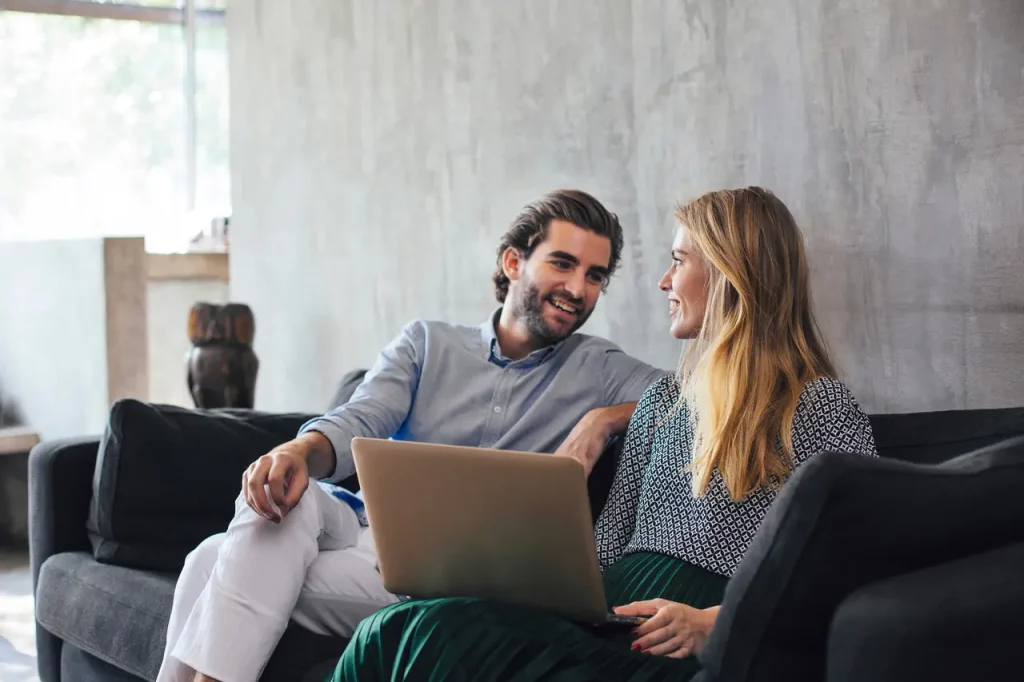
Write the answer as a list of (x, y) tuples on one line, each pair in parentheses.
[(523, 380)]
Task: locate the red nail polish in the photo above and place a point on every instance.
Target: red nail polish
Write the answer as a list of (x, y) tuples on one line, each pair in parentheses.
[(636, 647)]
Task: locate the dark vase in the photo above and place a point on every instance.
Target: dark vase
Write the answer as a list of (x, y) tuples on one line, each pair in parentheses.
[(221, 366)]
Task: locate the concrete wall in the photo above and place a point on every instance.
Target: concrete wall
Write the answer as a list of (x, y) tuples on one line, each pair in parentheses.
[(53, 335), (85, 322), (379, 150), (169, 301)]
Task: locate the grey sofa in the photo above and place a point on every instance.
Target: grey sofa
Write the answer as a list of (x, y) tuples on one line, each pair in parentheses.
[(104, 577)]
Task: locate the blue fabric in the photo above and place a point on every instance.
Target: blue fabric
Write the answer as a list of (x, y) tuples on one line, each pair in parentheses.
[(443, 383), (354, 500)]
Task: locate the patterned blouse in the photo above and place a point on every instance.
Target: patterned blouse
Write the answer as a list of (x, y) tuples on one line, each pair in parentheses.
[(651, 507)]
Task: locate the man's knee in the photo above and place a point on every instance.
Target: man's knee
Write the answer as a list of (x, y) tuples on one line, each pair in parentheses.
[(305, 514), (200, 561)]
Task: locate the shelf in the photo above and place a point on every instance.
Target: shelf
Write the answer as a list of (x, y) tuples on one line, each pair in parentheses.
[(162, 266)]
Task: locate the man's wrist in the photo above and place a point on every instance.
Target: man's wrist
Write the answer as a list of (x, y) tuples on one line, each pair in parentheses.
[(313, 442), (318, 451)]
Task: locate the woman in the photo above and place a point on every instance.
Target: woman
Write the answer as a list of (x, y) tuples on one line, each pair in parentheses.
[(706, 451)]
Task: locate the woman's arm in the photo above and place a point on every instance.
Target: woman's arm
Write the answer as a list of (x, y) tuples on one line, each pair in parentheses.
[(829, 419)]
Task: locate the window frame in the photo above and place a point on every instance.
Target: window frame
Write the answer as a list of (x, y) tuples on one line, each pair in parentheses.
[(187, 16)]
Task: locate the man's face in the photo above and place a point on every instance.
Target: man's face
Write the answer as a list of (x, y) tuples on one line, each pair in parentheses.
[(556, 289)]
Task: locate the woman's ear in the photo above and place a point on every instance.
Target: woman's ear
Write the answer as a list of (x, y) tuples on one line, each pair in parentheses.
[(511, 261)]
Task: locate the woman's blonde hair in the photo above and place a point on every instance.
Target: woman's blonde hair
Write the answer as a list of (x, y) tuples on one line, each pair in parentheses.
[(759, 343)]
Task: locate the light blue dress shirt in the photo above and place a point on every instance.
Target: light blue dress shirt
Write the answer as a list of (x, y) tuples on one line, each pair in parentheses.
[(443, 383)]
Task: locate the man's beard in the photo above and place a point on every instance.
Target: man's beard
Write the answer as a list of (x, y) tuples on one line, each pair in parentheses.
[(529, 309)]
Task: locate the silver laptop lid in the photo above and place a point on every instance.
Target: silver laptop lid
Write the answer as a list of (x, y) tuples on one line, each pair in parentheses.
[(456, 521)]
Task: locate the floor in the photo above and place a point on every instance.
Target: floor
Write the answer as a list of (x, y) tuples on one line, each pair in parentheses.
[(17, 626)]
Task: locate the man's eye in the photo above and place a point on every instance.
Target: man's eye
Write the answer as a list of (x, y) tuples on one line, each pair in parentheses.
[(561, 264), (596, 278)]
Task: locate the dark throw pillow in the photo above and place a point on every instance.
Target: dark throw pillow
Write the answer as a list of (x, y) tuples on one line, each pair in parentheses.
[(167, 477)]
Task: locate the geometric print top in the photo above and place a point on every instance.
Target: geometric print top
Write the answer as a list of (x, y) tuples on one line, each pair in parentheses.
[(651, 506)]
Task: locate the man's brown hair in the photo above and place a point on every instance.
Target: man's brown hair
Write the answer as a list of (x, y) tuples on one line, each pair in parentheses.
[(530, 228)]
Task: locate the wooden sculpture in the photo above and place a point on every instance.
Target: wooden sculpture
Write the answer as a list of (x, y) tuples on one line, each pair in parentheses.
[(222, 366)]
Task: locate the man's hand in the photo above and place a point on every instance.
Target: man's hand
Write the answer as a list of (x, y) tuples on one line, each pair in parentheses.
[(589, 437), (673, 630), (285, 471)]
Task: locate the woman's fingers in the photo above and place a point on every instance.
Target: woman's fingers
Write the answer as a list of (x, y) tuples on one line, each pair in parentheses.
[(674, 645), (659, 620), (682, 652), (637, 608), (658, 636)]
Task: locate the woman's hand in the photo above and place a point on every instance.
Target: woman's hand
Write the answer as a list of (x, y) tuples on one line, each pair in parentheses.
[(674, 630)]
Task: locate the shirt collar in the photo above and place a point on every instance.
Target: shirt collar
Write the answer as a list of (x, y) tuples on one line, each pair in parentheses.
[(487, 333), (493, 350)]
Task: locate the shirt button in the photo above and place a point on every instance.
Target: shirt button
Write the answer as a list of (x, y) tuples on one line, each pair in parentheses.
[(497, 410)]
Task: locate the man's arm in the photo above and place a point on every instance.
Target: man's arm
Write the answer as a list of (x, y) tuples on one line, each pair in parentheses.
[(626, 377), (625, 380), (323, 447), (590, 436), (377, 408), (613, 420)]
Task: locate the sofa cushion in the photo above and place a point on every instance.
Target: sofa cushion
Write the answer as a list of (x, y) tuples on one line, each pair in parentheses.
[(956, 621), (167, 477), (346, 387), (844, 521), (119, 615), (114, 613), (933, 437)]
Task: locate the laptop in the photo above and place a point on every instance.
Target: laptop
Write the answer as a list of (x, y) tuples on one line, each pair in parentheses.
[(508, 526)]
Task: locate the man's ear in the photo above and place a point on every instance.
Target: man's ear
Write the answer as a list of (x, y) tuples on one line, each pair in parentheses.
[(511, 262)]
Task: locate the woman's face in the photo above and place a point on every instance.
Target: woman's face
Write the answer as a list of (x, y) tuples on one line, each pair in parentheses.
[(686, 284)]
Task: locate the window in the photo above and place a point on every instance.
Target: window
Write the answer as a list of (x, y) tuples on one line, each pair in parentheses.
[(113, 119)]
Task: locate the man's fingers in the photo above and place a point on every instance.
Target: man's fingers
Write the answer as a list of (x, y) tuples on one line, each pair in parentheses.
[(276, 478), (637, 608), (257, 496), (296, 487)]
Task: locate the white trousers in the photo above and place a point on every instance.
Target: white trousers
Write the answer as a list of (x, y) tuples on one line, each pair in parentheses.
[(238, 589)]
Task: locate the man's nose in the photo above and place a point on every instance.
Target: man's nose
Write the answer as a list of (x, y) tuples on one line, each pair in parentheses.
[(576, 284)]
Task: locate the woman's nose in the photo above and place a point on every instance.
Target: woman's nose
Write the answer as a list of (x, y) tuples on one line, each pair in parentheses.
[(665, 283)]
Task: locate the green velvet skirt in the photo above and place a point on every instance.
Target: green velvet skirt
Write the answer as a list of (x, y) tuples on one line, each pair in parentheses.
[(471, 639)]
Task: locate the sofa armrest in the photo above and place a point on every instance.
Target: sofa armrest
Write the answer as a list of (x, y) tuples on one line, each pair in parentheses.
[(959, 620), (60, 475)]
